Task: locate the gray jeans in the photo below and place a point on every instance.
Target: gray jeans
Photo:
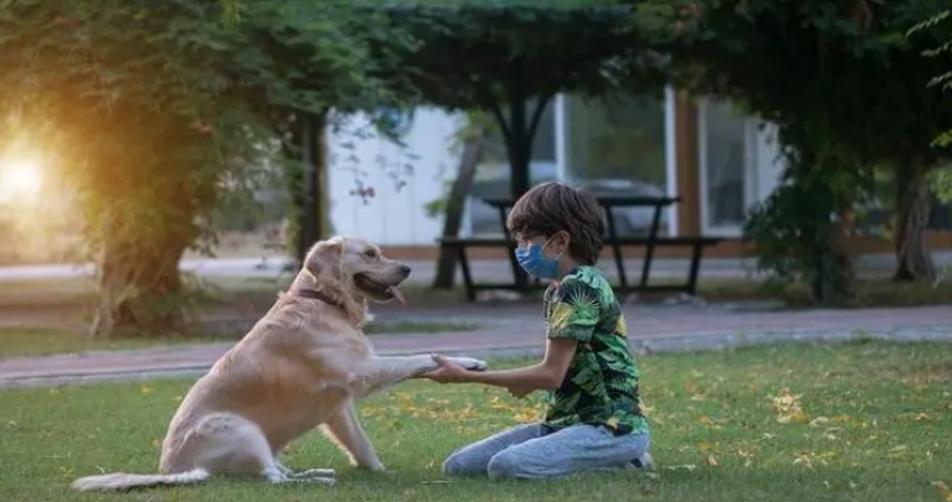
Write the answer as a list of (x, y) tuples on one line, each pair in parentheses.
[(534, 451)]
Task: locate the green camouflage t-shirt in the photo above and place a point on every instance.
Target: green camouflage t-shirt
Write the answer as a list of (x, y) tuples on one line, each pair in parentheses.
[(601, 385)]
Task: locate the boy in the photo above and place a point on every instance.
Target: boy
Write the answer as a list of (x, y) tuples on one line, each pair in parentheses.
[(593, 418)]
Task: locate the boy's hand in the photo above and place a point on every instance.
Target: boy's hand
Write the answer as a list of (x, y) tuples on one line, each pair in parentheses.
[(447, 372)]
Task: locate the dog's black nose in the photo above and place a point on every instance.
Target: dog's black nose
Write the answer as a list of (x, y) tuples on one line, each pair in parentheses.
[(405, 270)]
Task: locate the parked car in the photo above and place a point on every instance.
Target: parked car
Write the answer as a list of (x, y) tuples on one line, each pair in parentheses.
[(630, 220), (484, 219)]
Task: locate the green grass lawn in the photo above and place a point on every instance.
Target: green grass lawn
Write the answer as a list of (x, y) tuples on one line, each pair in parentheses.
[(864, 421), (18, 342)]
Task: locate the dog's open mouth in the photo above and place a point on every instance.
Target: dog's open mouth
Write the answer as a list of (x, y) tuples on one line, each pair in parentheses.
[(378, 291)]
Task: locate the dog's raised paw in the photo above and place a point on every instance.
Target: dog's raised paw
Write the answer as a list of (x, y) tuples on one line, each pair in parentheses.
[(472, 364)]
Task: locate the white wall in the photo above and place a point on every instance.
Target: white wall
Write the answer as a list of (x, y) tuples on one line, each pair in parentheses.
[(770, 164), (392, 216), (398, 217)]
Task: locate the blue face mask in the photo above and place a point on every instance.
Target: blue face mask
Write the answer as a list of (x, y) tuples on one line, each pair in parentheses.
[(534, 262)]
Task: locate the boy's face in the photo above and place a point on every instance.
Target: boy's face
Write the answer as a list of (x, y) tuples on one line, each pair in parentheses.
[(556, 244)]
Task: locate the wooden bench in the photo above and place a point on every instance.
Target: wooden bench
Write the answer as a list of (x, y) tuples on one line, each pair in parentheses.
[(651, 241), (520, 280), (690, 286), (460, 245)]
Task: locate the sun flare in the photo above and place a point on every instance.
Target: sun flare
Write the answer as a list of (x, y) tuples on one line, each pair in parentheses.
[(20, 179)]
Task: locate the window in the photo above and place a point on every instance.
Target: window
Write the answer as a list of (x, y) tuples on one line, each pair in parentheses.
[(616, 147), (493, 174), (727, 161)]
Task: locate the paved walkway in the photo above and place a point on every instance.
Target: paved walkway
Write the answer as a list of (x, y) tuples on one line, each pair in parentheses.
[(515, 329), (872, 265)]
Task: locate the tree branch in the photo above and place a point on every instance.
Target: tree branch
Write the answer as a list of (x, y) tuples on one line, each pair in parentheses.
[(493, 105), (537, 113)]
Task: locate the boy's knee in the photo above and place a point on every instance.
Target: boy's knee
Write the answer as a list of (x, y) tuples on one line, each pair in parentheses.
[(507, 465), (456, 465)]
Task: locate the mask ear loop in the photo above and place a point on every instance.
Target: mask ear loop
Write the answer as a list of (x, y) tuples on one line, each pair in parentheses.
[(547, 244)]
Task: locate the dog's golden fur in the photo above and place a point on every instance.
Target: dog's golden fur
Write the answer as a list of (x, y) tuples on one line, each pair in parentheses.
[(302, 365)]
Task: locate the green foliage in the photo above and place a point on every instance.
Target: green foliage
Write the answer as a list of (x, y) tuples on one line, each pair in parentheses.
[(834, 76), (496, 57), (939, 26), (153, 110), (810, 64), (797, 233), (942, 184), (464, 56)]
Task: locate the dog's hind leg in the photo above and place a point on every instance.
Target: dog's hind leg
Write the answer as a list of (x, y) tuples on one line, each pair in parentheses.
[(344, 429), (231, 444)]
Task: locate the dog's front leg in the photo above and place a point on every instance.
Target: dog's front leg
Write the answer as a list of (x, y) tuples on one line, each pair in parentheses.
[(380, 372), (344, 429)]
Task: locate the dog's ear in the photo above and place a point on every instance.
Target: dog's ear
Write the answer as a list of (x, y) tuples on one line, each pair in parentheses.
[(324, 257)]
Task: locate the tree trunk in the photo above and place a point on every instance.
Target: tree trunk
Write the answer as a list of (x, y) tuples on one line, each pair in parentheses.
[(913, 258), (140, 289), (311, 198), (455, 203), (519, 152), (520, 134)]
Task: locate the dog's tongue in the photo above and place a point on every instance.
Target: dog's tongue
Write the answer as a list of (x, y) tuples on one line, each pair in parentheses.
[(395, 291)]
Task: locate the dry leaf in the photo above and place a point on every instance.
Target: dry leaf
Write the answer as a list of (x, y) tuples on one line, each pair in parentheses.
[(944, 490), (804, 460), (788, 408), (711, 461), (818, 421), (683, 467)]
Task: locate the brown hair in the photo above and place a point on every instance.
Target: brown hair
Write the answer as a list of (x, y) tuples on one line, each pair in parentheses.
[(553, 207)]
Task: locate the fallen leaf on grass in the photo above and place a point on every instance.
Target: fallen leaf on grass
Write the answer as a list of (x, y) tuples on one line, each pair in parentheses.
[(897, 451), (804, 460), (711, 461), (788, 407), (944, 490), (683, 467), (747, 456)]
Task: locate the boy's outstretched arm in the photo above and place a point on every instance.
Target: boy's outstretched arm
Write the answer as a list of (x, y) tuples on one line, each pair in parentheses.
[(547, 375)]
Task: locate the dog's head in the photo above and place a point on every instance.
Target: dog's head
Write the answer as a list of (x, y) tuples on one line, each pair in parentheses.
[(357, 268)]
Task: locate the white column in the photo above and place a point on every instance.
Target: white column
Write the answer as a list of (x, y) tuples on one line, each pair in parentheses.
[(670, 157), (561, 138)]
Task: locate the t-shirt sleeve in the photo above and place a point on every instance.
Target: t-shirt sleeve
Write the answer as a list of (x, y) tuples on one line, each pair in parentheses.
[(575, 312)]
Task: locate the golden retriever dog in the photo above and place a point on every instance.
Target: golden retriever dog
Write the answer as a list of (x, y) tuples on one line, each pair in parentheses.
[(301, 366)]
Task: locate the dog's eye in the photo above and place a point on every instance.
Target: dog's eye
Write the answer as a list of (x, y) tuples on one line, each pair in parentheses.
[(371, 253)]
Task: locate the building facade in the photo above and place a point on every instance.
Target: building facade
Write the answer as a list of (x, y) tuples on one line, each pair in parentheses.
[(717, 159)]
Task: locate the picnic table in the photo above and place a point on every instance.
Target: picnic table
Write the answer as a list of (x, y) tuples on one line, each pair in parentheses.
[(650, 241)]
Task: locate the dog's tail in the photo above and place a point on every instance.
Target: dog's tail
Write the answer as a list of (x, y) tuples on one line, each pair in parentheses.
[(118, 481)]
